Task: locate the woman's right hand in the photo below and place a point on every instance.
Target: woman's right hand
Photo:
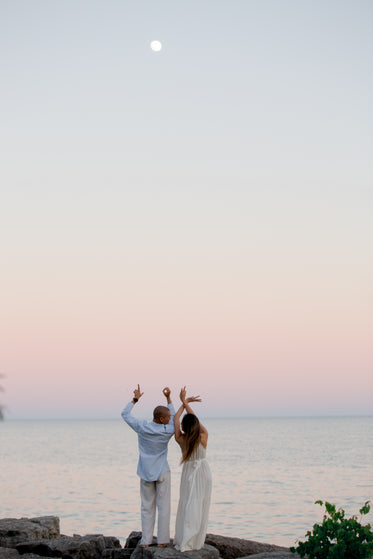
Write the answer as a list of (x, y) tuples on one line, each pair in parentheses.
[(183, 394)]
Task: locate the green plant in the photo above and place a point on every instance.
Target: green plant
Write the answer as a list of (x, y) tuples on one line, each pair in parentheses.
[(337, 537)]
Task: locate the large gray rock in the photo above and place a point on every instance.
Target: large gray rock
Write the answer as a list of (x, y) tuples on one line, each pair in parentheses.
[(77, 547), (114, 550), (32, 538), (274, 555), (8, 553), (232, 548), (133, 539), (33, 556), (116, 554), (111, 542), (154, 552), (169, 552), (17, 530)]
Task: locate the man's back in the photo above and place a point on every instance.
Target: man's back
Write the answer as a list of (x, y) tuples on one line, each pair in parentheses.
[(153, 469), (153, 441)]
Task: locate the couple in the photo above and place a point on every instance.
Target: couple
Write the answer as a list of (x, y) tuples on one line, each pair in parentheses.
[(155, 475)]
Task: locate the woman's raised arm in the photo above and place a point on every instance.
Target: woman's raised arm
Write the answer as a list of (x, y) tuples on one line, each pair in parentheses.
[(178, 433)]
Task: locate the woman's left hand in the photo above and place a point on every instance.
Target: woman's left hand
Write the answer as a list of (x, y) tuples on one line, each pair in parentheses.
[(193, 399)]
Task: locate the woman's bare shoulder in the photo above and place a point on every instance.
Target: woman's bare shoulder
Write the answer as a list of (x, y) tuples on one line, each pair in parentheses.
[(179, 439), (204, 438)]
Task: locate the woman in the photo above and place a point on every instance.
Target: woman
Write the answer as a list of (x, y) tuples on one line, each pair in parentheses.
[(195, 484)]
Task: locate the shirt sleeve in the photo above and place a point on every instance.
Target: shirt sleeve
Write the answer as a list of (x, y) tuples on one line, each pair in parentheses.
[(170, 426), (129, 419)]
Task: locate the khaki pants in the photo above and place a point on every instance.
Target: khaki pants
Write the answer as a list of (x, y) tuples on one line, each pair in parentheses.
[(156, 495)]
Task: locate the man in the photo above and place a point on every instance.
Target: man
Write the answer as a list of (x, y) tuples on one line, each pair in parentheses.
[(153, 468)]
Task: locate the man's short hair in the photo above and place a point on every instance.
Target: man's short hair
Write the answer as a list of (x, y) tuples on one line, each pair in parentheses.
[(160, 411)]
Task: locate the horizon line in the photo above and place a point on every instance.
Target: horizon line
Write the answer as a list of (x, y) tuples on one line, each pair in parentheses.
[(112, 418)]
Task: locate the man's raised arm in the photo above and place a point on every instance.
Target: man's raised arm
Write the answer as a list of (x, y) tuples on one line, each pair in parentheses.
[(126, 413), (167, 393)]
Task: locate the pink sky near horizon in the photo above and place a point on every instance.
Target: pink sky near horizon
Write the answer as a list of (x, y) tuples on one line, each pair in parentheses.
[(198, 216), (272, 355), (278, 326)]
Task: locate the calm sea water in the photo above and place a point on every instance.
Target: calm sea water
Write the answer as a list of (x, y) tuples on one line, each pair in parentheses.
[(267, 473)]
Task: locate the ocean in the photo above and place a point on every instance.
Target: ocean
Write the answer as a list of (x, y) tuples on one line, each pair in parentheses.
[(267, 474)]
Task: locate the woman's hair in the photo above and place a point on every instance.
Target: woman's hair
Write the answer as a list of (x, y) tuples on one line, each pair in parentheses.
[(192, 433)]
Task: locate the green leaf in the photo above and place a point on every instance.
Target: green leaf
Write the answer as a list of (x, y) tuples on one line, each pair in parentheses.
[(366, 508), (337, 537)]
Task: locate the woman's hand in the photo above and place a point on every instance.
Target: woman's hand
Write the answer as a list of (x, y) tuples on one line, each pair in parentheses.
[(183, 394), (190, 399), (193, 399)]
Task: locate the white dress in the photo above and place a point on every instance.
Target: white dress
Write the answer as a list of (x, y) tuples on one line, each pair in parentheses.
[(194, 503)]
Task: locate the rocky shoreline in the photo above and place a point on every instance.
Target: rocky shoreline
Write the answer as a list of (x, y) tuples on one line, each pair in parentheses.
[(33, 538)]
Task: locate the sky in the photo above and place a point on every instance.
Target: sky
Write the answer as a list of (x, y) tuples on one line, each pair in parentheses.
[(198, 216)]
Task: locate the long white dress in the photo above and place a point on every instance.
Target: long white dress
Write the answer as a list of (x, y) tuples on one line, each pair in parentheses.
[(194, 502)]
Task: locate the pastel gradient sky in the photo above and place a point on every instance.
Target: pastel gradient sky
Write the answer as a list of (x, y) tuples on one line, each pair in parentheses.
[(198, 216)]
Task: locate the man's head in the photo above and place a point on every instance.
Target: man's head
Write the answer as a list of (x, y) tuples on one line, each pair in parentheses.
[(161, 415)]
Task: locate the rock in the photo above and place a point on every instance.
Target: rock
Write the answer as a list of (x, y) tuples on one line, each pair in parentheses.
[(8, 553), (231, 548), (33, 538), (117, 553), (114, 550), (77, 547), (33, 556), (111, 542), (274, 555), (132, 540), (154, 552), (17, 530), (50, 523), (169, 552)]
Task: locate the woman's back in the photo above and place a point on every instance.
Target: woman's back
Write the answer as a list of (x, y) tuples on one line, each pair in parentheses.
[(194, 503), (199, 453)]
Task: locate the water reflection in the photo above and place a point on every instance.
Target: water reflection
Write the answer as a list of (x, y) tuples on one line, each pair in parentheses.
[(267, 474)]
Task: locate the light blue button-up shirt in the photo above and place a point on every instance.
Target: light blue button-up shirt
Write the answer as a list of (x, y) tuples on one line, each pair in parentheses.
[(153, 441)]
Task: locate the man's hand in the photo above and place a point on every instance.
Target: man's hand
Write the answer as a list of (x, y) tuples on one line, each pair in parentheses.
[(137, 393), (167, 392)]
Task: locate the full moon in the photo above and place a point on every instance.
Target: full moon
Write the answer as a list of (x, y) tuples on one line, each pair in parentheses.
[(156, 46)]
